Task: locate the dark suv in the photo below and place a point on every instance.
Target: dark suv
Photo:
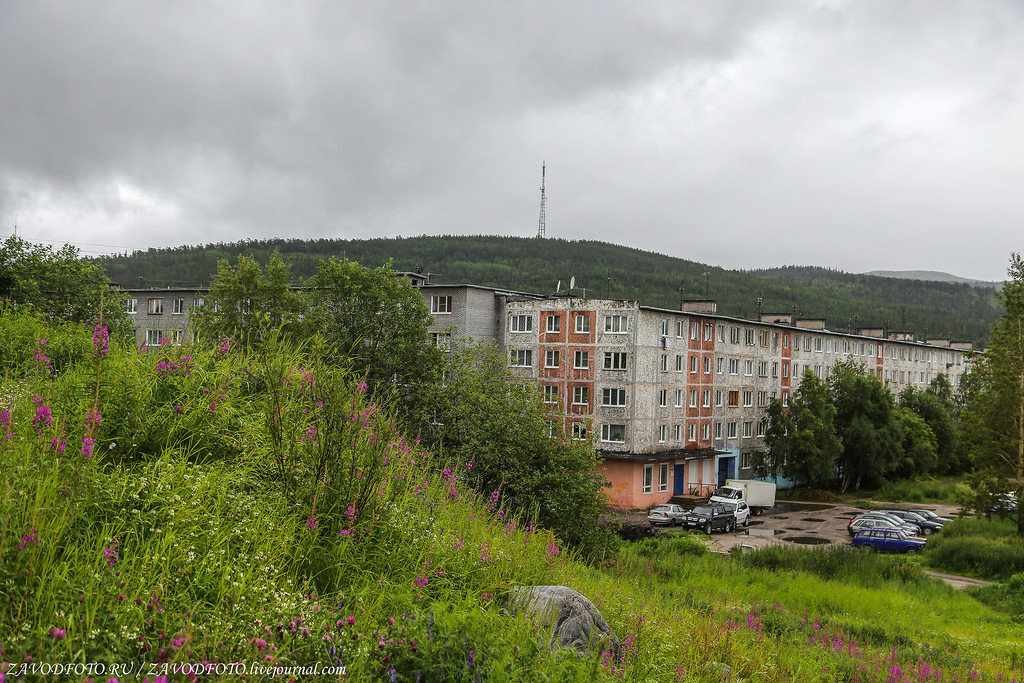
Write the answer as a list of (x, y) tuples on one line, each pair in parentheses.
[(710, 518)]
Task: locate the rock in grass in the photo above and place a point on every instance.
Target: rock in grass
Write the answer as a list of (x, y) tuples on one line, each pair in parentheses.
[(571, 619)]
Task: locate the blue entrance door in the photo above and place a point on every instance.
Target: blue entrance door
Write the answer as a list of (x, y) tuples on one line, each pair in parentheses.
[(679, 488), (726, 469)]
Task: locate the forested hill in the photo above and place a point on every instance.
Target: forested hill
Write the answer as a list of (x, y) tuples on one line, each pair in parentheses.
[(843, 299)]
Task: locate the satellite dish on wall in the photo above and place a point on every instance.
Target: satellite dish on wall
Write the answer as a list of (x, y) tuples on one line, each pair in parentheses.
[(572, 282)]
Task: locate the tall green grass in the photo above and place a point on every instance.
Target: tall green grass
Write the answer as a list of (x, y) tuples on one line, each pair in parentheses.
[(979, 547)]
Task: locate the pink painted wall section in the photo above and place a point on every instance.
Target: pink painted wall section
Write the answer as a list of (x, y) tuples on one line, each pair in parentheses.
[(627, 484)]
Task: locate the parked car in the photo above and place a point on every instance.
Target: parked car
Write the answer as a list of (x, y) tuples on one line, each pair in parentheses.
[(666, 514), (1002, 504), (709, 518), (759, 495), (930, 514), (890, 540), (857, 525), (895, 521), (741, 510), (927, 526)]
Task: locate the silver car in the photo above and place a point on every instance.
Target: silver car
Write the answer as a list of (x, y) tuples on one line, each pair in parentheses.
[(741, 510), (667, 514)]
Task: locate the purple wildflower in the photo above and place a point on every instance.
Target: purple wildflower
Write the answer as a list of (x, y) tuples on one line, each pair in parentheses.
[(100, 339)]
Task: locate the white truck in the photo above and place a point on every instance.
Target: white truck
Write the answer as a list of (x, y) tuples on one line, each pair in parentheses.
[(760, 495)]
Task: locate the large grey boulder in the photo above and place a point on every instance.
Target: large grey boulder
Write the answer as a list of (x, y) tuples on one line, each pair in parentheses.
[(570, 618)]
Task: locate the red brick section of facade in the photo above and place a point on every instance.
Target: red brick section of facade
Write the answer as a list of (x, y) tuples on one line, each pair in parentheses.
[(701, 353), (880, 360), (787, 366), (566, 376)]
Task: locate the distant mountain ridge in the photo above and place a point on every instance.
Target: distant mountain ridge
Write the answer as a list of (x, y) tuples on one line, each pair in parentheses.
[(933, 276), (845, 300)]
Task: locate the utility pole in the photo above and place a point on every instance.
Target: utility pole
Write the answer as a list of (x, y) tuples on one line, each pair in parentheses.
[(681, 295), (608, 289)]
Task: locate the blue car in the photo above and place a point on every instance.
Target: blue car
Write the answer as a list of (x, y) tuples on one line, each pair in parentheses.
[(888, 540)]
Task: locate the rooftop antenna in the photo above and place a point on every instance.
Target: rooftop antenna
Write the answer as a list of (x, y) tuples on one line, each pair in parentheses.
[(681, 288), (542, 221), (707, 285)]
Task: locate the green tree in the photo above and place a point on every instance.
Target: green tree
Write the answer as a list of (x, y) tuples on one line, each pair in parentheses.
[(378, 320), (59, 285), (482, 415), (802, 438), (935, 406), (993, 420), (918, 444), (871, 441), (246, 301)]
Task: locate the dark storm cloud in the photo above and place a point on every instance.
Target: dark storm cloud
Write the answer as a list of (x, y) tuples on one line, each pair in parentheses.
[(863, 135)]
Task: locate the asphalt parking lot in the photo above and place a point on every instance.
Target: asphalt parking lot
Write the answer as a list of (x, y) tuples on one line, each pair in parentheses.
[(801, 524)]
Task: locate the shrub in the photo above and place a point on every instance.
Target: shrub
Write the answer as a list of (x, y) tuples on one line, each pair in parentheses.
[(840, 563)]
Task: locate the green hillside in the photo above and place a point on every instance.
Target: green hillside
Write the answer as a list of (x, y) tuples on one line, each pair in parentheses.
[(845, 300)]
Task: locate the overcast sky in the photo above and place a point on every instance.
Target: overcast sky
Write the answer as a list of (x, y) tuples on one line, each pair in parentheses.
[(858, 135)]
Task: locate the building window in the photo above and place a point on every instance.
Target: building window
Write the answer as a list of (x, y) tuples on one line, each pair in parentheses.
[(613, 397), (694, 365), (663, 477), (616, 324), (693, 398), (156, 306), (762, 398), (664, 362), (775, 369), (664, 327), (554, 323), (760, 429), (785, 340), (581, 396), (648, 478), (705, 431), (679, 363), (785, 399), (748, 399), (550, 393), (582, 324), (807, 344), (131, 305), (817, 343), (552, 430), (707, 365), (747, 429), (176, 337), (718, 397), (177, 306), (734, 335), (614, 360), (677, 433), (763, 338), (197, 304), (662, 433), (579, 431), (694, 330), (442, 340), (551, 359), (720, 365), (749, 337), (721, 333), (709, 332), (679, 398), (522, 358), (734, 366), (663, 398), (734, 399), (762, 368), (745, 461), (691, 432), (707, 398), (581, 359), (440, 304), (730, 430), (718, 430), (613, 433), (152, 337), (522, 323), (785, 369), (748, 368)]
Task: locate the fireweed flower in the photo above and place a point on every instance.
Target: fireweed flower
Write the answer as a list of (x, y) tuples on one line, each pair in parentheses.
[(5, 420), (92, 420), (88, 445), (110, 553), (100, 339), (43, 418), (57, 444), (28, 539), (311, 523)]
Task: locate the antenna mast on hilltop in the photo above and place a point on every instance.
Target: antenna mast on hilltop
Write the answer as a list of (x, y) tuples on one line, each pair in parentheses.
[(541, 222)]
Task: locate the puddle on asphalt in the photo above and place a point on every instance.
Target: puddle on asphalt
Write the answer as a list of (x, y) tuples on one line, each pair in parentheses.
[(794, 528), (802, 507), (811, 519), (807, 540)]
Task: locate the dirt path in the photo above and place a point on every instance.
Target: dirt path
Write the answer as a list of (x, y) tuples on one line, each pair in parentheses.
[(957, 581)]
